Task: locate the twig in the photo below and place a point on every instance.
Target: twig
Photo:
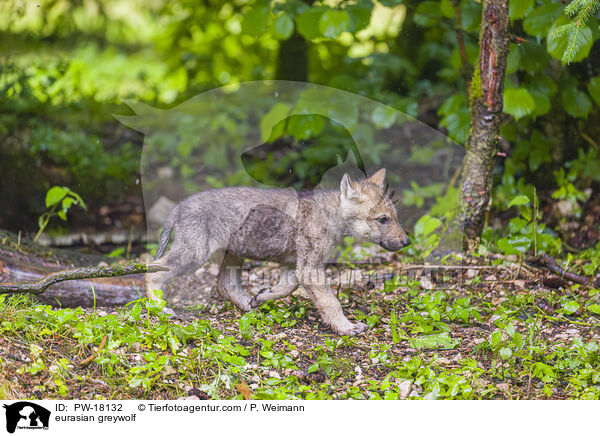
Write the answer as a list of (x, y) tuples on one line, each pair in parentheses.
[(590, 140), (88, 272), (94, 355)]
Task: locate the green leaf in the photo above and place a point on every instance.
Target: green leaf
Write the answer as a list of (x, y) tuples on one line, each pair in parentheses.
[(571, 306), (384, 116), (67, 202), (533, 57), (517, 340), (514, 245), (391, 3), (518, 8), (360, 16), (447, 8), (575, 102), (513, 60), (282, 27), (510, 330), (428, 13), (308, 22), (305, 126), (426, 225), (540, 20), (471, 15), (516, 225), (496, 338), (594, 308), (256, 20), (55, 194), (62, 215), (273, 118), (593, 88), (505, 353), (519, 200), (435, 341), (333, 23), (569, 43), (458, 125), (518, 102)]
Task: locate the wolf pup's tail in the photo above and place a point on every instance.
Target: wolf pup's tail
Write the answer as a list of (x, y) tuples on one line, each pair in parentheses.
[(165, 235)]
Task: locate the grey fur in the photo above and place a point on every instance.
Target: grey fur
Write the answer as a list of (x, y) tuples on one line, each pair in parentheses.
[(300, 231)]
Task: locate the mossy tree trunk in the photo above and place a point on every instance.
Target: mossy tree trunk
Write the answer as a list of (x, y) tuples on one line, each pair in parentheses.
[(486, 105)]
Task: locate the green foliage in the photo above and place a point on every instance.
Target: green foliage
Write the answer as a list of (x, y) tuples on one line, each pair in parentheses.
[(571, 42), (59, 200)]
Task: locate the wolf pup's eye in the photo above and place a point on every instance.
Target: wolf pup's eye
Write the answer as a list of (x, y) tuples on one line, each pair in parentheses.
[(383, 220)]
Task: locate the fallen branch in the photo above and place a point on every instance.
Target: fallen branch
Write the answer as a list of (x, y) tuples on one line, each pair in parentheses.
[(88, 272), (546, 261)]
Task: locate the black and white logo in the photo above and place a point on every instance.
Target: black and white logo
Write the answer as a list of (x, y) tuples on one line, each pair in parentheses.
[(26, 415)]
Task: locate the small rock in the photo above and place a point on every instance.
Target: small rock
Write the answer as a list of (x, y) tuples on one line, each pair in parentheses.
[(493, 318), (274, 374), (359, 375), (159, 211), (503, 387), (136, 347), (404, 389), (426, 283), (146, 258), (441, 361), (168, 370), (471, 273), (294, 353)]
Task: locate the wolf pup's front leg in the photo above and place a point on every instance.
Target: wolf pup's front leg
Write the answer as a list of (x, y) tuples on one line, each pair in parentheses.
[(315, 282)]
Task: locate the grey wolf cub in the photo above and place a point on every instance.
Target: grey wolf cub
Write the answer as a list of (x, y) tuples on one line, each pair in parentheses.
[(298, 230)]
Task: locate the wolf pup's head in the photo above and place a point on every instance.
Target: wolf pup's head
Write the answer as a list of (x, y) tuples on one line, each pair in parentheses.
[(370, 214)]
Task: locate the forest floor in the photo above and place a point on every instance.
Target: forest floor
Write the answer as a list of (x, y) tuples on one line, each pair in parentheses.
[(491, 328)]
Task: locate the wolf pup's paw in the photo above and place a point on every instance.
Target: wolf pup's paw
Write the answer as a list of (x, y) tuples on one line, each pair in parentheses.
[(354, 329), (256, 301)]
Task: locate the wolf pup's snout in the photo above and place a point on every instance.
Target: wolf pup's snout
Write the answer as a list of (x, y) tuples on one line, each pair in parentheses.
[(395, 244)]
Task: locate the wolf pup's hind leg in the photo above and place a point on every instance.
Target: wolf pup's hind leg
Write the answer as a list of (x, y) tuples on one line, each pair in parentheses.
[(229, 281)]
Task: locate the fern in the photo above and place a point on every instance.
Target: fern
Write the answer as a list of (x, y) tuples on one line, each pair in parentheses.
[(581, 11)]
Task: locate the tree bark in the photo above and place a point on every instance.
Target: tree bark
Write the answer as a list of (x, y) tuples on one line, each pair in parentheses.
[(486, 105)]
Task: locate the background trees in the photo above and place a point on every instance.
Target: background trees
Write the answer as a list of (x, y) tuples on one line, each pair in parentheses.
[(66, 66)]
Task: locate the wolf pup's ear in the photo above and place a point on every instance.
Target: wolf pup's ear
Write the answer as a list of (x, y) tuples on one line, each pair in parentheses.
[(348, 188), (378, 178)]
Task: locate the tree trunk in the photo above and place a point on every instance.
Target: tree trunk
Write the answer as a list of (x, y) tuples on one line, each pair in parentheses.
[(292, 59), (486, 105)]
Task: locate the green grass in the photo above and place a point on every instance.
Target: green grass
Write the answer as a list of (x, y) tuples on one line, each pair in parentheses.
[(473, 342)]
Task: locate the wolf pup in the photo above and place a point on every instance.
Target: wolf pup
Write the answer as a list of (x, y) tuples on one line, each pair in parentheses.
[(298, 230)]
